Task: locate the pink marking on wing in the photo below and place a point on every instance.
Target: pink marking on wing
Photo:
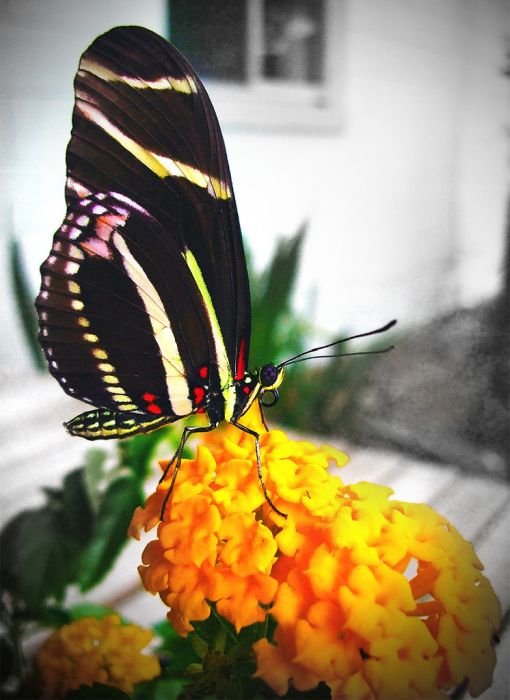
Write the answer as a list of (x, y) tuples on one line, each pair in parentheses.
[(74, 232), (105, 225), (95, 246), (77, 187)]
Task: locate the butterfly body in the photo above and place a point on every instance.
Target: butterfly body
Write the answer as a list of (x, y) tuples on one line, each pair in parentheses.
[(144, 306)]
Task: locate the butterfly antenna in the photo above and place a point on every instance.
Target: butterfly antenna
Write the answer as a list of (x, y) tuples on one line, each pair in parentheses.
[(382, 329), (343, 354)]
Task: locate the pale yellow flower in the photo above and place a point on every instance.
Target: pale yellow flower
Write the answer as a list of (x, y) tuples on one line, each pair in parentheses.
[(90, 651)]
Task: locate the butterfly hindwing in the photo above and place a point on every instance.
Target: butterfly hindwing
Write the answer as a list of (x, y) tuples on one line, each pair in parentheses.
[(105, 311)]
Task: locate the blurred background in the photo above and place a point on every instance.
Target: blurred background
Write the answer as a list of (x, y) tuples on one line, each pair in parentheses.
[(368, 143)]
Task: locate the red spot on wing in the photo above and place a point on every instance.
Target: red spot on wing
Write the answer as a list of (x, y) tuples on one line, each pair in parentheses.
[(246, 389), (199, 393), (241, 361), (203, 372), (148, 397), (154, 408)]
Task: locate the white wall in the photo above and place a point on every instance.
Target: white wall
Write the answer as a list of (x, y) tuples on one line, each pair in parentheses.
[(414, 181)]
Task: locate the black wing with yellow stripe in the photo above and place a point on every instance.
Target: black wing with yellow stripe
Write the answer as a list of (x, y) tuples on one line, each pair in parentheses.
[(145, 290)]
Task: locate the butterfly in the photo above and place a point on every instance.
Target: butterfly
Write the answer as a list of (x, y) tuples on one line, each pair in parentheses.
[(144, 306)]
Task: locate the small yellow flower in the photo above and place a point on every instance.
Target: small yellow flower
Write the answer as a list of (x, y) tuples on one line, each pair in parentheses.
[(91, 651), (375, 597)]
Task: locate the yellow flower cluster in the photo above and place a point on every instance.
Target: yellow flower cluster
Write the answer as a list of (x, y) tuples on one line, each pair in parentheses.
[(375, 597), (90, 651)]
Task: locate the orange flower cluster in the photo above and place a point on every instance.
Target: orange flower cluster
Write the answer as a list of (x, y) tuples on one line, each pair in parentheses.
[(89, 651), (218, 540), (375, 597)]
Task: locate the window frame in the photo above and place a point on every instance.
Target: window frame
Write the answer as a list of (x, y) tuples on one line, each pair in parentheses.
[(277, 105)]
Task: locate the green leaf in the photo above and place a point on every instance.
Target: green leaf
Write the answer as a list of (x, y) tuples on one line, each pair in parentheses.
[(42, 548), (271, 305), (93, 475), (122, 496), (159, 689), (96, 691), (176, 652), (25, 304), (46, 549), (39, 558), (200, 646), (77, 513), (81, 610), (54, 616), (136, 452)]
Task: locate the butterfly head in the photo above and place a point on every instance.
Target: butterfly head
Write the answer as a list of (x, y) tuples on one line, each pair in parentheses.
[(269, 379)]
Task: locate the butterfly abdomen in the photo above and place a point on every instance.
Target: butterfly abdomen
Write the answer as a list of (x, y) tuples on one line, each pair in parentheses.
[(103, 424)]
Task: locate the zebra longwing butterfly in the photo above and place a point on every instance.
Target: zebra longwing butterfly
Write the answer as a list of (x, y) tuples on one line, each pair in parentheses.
[(144, 307)]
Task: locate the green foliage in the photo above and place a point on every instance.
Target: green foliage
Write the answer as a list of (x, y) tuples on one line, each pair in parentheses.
[(137, 452), (162, 688), (212, 661), (277, 332), (76, 536), (41, 549), (25, 304), (120, 499), (322, 397), (176, 652)]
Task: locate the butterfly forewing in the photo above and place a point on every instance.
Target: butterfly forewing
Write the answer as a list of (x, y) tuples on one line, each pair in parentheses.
[(144, 121), (146, 281)]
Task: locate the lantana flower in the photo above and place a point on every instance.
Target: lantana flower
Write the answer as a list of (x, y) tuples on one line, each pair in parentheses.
[(375, 597), (91, 650)]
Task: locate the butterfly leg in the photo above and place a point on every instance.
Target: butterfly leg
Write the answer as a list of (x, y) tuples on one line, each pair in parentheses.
[(186, 434), (249, 431), (262, 417)]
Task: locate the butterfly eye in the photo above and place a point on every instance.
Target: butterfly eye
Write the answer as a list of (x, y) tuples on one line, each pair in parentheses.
[(268, 375), (275, 396)]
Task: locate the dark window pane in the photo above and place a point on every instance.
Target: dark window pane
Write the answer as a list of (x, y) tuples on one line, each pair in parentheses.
[(294, 40), (212, 36)]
